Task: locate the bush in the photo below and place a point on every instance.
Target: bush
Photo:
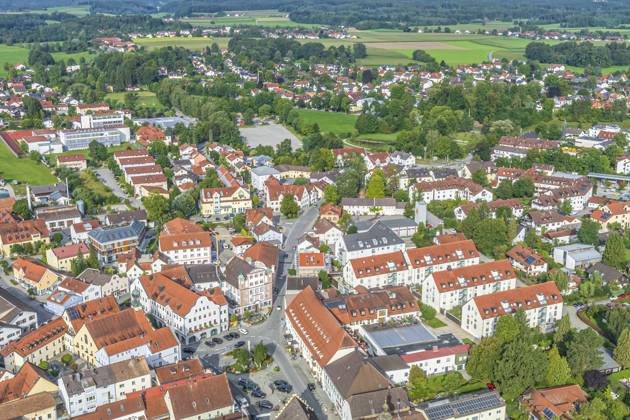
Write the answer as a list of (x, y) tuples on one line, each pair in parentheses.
[(43, 364), (66, 359), (428, 312)]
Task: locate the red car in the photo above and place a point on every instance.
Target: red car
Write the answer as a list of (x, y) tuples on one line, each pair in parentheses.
[(491, 386)]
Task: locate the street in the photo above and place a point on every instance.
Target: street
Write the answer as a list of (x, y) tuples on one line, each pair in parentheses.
[(17, 292)]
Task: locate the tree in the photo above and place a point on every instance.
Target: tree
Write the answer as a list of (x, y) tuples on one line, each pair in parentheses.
[(359, 50), (289, 207), (583, 351), (97, 151), (594, 379), (331, 195), (523, 187), (423, 236), (622, 350), (20, 207), (614, 253), (520, 367), (376, 185), (563, 328), (559, 372), (157, 207), (184, 205), (491, 237), (483, 358), (260, 354), (560, 278), (565, 207), (480, 177), (349, 183), (418, 384), (238, 222), (324, 279), (588, 232), (428, 312), (504, 190)]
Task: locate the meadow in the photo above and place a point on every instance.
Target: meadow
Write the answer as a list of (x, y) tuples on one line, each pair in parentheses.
[(14, 54), (144, 98), (192, 43), (329, 122), (253, 18), (23, 169)]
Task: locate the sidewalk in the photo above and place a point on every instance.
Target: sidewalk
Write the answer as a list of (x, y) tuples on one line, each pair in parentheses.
[(453, 328)]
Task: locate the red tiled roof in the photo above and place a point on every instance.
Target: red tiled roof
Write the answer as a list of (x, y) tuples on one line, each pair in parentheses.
[(71, 158), (440, 254), (310, 259), (434, 354), (379, 264), (474, 275), (491, 306), (71, 251), (36, 339)]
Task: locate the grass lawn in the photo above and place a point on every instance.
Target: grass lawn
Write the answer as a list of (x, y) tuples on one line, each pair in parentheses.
[(93, 184), (72, 10), (330, 122), (23, 169), (144, 98), (249, 17), (434, 323), (76, 56), (192, 43), (11, 54)]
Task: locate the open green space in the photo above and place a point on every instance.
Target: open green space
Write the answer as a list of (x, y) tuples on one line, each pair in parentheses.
[(251, 18), (330, 122), (79, 10), (14, 54), (23, 169), (192, 43), (144, 98)]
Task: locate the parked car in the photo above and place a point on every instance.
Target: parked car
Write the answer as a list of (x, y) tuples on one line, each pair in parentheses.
[(188, 350), (210, 343), (311, 387), (234, 334), (243, 403), (243, 331), (265, 404), (279, 382), (228, 337), (258, 393), (217, 340), (239, 344)]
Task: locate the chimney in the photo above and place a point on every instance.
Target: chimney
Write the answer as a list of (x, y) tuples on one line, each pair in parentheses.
[(28, 197)]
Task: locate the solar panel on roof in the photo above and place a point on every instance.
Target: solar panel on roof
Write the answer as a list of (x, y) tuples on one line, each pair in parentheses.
[(548, 413), (530, 259)]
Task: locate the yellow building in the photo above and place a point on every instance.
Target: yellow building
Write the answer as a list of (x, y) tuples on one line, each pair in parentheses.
[(226, 201), (44, 343), (61, 258), (35, 407), (35, 275), (22, 233)]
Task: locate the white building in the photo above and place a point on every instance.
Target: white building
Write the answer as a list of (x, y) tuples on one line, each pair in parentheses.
[(15, 318), (426, 260), (185, 242), (542, 304), (367, 206), (80, 139), (623, 165), (260, 174), (103, 119), (576, 255), (82, 392), (486, 405), (379, 270), (379, 239), (451, 188), (191, 315), (450, 288)]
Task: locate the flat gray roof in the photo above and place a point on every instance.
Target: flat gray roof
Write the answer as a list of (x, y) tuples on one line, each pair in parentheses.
[(400, 336)]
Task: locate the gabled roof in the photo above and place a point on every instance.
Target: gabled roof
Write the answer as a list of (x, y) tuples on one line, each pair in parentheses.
[(318, 329), (509, 301), (22, 383), (166, 292), (473, 275), (560, 401), (177, 371), (200, 396), (36, 339), (265, 253), (118, 326), (441, 254), (353, 375)]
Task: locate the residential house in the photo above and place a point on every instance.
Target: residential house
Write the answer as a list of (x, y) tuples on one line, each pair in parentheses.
[(79, 231), (379, 239), (485, 404), (557, 402), (357, 389), (264, 255), (330, 212), (28, 381), (22, 233), (527, 260), (43, 343), (247, 286), (62, 257), (229, 200), (107, 284), (84, 391), (542, 304), (373, 206), (450, 188), (309, 264), (207, 397), (58, 217), (380, 270), (75, 161), (32, 274), (15, 318), (260, 174), (617, 212), (267, 233), (327, 232), (184, 369), (185, 242)]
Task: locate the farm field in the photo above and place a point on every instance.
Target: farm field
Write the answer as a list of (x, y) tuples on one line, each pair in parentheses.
[(14, 54), (81, 10), (330, 122), (253, 18), (192, 43), (23, 169)]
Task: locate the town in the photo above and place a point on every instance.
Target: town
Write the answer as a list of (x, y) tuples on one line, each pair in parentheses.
[(270, 228)]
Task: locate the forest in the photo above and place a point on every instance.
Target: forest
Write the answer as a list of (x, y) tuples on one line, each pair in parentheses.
[(583, 54)]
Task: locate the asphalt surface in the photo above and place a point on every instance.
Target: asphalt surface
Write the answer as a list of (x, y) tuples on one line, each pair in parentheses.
[(42, 314), (108, 178)]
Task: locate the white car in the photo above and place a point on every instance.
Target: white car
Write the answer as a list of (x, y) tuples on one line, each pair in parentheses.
[(242, 331)]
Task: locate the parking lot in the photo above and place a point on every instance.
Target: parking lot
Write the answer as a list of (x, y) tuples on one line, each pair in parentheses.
[(269, 135)]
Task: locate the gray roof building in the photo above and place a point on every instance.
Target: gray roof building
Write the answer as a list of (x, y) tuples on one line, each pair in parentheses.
[(104, 235), (377, 236), (124, 217), (204, 275)]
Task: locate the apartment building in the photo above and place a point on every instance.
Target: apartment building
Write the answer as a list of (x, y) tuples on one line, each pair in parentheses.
[(380, 270), (373, 206), (32, 274), (247, 286), (80, 139), (448, 289), (22, 233), (378, 239), (450, 188), (541, 303), (110, 242), (487, 405), (61, 258), (15, 318)]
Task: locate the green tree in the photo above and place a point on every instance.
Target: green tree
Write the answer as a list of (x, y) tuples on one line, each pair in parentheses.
[(238, 222), (491, 237), (483, 358), (97, 151), (622, 350), (423, 236), (560, 278), (520, 367), (331, 195), (563, 328), (418, 385), (559, 372), (376, 185), (565, 207), (289, 207), (480, 177), (615, 252), (324, 279), (583, 351), (20, 207), (157, 208), (504, 190), (588, 232), (523, 187), (184, 205), (260, 354)]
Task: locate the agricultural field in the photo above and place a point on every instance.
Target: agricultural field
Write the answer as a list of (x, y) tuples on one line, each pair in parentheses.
[(252, 18), (23, 169), (14, 54), (192, 43)]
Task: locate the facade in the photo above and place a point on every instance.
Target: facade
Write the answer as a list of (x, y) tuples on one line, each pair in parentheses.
[(191, 315), (315, 332), (367, 206), (61, 217), (109, 243), (379, 270), (61, 258), (310, 264), (84, 391), (379, 239), (527, 260), (613, 212), (22, 233), (426, 260), (542, 304), (448, 289), (34, 275), (247, 287), (185, 242), (576, 255), (15, 318), (487, 405), (450, 188), (76, 161)]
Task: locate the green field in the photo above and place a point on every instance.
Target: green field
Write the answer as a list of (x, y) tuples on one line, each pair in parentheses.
[(330, 122), (72, 10), (144, 98), (252, 18), (13, 54), (23, 169), (192, 43)]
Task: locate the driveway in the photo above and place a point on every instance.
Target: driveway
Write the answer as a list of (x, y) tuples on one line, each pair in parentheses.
[(107, 177)]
